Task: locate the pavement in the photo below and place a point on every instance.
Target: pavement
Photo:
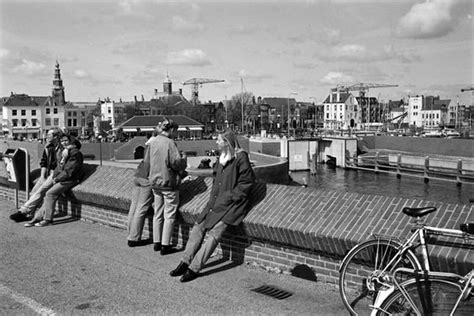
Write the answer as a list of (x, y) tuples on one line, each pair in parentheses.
[(83, 268)]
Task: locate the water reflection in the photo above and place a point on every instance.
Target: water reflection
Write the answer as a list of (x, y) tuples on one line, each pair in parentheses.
[(385, 184)]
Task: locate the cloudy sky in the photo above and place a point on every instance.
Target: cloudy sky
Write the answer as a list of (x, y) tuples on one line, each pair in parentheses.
[(119, 49)]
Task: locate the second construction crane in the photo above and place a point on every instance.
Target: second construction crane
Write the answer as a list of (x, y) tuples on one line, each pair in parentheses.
[(196, 83)]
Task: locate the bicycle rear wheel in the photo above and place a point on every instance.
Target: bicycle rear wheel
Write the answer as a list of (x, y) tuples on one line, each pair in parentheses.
[(444, 295), (365, 270)]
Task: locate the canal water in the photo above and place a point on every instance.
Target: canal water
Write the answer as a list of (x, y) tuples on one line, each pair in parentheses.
[(359, 181)]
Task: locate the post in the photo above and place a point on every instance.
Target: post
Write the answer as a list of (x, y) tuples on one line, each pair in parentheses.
[(100, 150), (459, 173), (376, 162), (399, 163), (426, 169)]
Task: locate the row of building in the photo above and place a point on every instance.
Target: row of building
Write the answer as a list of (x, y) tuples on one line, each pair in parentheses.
[(31, 116)]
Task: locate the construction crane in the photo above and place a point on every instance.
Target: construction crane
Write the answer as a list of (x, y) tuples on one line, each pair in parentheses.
[(467, 89), (397, 120), (363, 88), (196, 83)]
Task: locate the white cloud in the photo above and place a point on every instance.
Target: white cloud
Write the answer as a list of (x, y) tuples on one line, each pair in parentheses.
[(430, 19), (252, 76), (336, 78), (28, 67), (190, 57), (4, 52), (360, 53), (79, 73), (127, 7), (182, 24)]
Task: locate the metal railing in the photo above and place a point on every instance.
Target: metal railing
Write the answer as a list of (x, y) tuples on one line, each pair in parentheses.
[(426, 170)]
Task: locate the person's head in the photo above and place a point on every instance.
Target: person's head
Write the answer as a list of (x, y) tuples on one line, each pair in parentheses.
[(52, 135), (228, 142), (65, 140), (168, 127)]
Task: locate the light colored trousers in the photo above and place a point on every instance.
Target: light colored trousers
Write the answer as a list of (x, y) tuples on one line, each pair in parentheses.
[(196, 254), (142, 199), (165, 208), (52, 194), (37, 195)]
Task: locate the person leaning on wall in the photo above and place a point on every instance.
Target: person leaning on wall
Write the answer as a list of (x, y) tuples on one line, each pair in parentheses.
[(48, 163), (67, 174), (142, 198), (167, 167), (227, 206)]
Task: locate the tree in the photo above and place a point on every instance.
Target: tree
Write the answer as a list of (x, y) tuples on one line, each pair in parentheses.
[(241, 101)]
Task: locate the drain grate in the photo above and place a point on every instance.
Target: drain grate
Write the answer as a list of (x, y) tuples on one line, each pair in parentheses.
[(272, 291)]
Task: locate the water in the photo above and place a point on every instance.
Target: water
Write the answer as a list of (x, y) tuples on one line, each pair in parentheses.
[(386, 184)]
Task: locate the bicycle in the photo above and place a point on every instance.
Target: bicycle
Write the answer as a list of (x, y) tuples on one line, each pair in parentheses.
[(367, 268), (429, 293)]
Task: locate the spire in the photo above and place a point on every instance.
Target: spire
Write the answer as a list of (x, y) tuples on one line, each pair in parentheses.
[(58, 88), (167, 85)]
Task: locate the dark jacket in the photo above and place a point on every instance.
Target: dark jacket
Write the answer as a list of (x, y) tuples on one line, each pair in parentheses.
[(49, 157), (71, 170), (230, 192), (52, 152)]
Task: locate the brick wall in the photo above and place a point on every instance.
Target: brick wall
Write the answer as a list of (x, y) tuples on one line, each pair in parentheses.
[(286, 227)]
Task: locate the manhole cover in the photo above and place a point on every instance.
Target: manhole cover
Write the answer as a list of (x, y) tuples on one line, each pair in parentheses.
[(273, 292)]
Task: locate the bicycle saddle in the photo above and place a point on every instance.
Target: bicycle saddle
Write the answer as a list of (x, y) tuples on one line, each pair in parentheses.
[(418, 211)]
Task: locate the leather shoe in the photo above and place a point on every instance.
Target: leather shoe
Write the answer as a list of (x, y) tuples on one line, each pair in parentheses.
[(189, 276), (166, 249), (19, 217), (157, 246), (180, 269), (135, 243)]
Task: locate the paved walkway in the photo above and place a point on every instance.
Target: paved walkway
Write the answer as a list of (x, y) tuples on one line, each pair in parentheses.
[(79, 267)]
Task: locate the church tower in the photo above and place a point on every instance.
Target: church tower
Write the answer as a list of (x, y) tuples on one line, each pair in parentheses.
[(58, 89), (167, 86)]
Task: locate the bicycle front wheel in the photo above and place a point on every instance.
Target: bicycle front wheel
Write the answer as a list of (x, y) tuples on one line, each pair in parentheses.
[(444, 295), (367, 268)]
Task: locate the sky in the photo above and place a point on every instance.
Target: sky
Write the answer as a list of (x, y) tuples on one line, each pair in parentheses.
[(125, 48)]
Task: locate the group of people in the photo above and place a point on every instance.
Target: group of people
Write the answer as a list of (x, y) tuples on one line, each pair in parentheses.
[(157, 181), (61, 168)]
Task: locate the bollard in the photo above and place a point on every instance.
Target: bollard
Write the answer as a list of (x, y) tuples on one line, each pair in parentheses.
[(376, 167), (426, 169), (399, 163), (459, 173)]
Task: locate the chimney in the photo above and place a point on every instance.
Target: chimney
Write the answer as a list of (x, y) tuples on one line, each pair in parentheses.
[(156, 91), (143, 99), (135, 97), (180, 91)]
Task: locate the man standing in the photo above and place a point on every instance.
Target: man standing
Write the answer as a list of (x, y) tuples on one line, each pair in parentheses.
[(48, 163), (167, 167)]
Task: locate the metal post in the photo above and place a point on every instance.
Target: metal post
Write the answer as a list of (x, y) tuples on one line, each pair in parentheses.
[(426, 169), (399, 162), (459, 173), (376, 162)]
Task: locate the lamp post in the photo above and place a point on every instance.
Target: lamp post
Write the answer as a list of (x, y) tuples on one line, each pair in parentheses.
[(288, 99), (314, 110)]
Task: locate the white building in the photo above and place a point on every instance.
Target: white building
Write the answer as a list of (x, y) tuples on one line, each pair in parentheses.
[(341, 111)]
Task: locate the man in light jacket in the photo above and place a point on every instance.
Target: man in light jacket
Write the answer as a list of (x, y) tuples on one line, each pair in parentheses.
[(167, 167)]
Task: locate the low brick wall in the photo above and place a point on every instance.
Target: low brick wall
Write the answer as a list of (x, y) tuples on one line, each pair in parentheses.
[(286, 227)]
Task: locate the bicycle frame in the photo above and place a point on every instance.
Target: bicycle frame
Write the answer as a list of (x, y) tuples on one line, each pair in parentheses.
[(465, 283), (419, 234)]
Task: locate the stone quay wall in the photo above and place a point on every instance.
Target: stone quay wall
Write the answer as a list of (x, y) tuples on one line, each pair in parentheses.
[(286, 228)]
